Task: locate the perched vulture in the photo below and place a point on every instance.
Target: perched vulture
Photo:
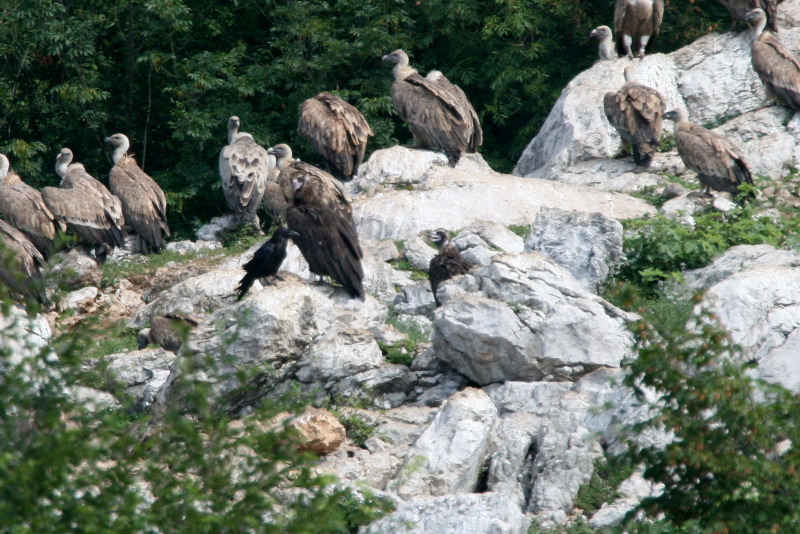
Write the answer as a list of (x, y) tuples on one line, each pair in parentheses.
[(636, 24), (719, 163), (143, 201), (338, 132), (605, 42), (740, 8), (438, 112), (85, 206), (327, 237), (777, 67), (167, 331), (635, 111), (243, 166), (23, 208), (20, 264), (447, 263), (266, 261)]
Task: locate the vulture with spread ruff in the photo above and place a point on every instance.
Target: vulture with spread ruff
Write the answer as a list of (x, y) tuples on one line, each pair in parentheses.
[(85, 206), (437, 111), (447, 263), (740, 8), (20, 264), (23, 208), (327, 237), (636, 24), (143, 202), (635, 111), (775, 64), (338, 132), (266, 260), (605, 42), (244, 166), (719, 163)]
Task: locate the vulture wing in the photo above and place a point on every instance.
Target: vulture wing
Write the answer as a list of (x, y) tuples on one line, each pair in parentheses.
[(717, 161), (635, 111), (143, 203), (444, 266), (22, 206), (778, 69), (244, 166), (25, 266)]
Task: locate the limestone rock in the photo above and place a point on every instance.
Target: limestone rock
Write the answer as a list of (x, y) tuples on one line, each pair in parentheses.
[(81, 298), (418, 253), (22, 336), (75, 269), (187, 247), (737, 259), (140, 373), (93, 400), (395, 166), (491, 235), (320, 432), (208, 232)]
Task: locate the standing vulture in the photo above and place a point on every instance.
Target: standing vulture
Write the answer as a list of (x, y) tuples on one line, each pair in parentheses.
[(22, 206), (167, 331), (21, 263), (266, 261), (85, 206), (635, 111), (636, 24), (719, 163), (327, 238), (243, 166), (777, 67), (605, 42), (143, 201), (338, 132), (438, 112), (447, 263), (740, 8)]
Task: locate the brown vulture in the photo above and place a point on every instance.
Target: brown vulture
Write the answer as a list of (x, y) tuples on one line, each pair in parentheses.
[(719, 163), (636, 24), (338, 132), (143, 202), (23, 208), (438, 112), (740, 8), (777, 67), (327, 237), (447, 263), (635, 111), (266, 260), (167, 331), (605, 42), (20, 264), (85, 206), (243, 166)]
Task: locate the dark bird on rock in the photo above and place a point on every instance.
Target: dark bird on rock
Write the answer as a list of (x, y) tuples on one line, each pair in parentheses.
[(740, 8), (775, 64), (243, 166), (167, 331), (636, 24), (143, 202), (21, 264), (266, 261), (23, 208), (86, 206), (447, 263), (605, 42), (719, 163), (327, 237), (338, 132), (437, 111), (635, 111)]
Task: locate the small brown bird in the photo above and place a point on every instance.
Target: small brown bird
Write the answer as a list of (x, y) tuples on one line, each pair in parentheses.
[(447, 263)]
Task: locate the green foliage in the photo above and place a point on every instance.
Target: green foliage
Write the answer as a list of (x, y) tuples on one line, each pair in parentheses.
[(357, 427), (148, 265), (579, 527), (522, 230), (402, 352), (404, 265), (241, 236), (725, 470), (602, 486)]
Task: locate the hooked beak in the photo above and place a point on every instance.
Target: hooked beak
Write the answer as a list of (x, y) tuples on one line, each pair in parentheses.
[(297, 183), (594, 33), (389, 58), (292, 233)]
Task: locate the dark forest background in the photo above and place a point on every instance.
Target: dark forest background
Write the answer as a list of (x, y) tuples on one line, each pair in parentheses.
[(168, 73)]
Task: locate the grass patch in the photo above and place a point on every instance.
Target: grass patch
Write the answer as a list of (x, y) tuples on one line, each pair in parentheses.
[(667, 142), (650, 195), (240, 237), (404, 265), (522, 230), (415, 332), (357, 428), (602, 487), (402, 352), (148, 265), (103, 340)]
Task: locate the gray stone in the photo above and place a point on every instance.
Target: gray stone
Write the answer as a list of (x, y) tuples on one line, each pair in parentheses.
[(395, 166), (75, 269), (737, 259), (418, 253), (415, 299), (140, 373), (80, 298), (190, 247), (22, 336), (93, 400), (208, 232)]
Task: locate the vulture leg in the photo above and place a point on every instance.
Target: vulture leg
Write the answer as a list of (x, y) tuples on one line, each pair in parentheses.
[(644, 40), (627, 41)]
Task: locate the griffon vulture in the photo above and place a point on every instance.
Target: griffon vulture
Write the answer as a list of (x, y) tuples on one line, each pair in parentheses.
[(143, 202), (85, 206), (636, 24), (266, 261), (438, 112), (338, 132), (166, 331), (777, 67), (327, 238), (23, 208), (605, 42), (740, 8), (447, 263), (243, 166), (635, 111), (20, 264), (719, 163)]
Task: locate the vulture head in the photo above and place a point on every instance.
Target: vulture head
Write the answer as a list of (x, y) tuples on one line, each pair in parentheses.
[(601, 33), (400, 61), (678, 116), (63, 160), (233, 128), (757, 21), (282, 154), (440, 237), (121, 145), (4, 166)]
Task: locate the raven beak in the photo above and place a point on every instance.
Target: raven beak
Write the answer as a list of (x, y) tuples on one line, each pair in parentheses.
[(292, 233)]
